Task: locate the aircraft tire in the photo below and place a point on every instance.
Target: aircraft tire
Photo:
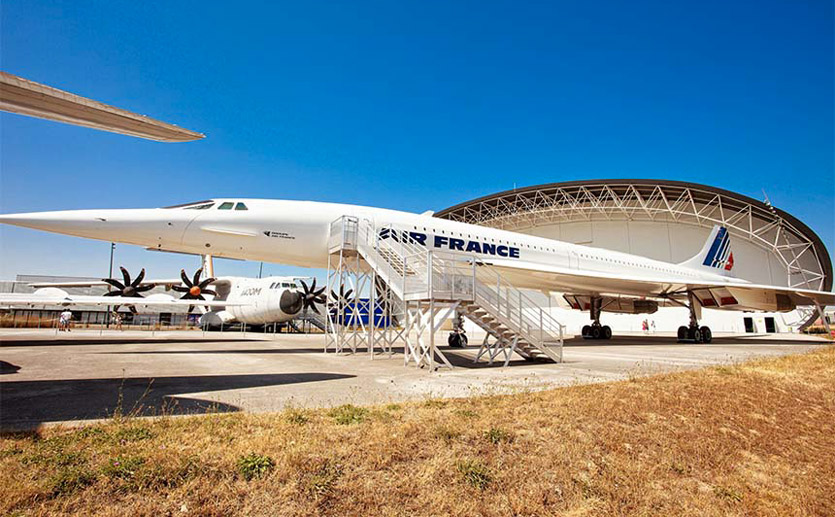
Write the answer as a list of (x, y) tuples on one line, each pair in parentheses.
[(462, 340), (586, 332), (707, 335), (607, 332), (453, 340), (695, 334), (682, 333), (595, 332)]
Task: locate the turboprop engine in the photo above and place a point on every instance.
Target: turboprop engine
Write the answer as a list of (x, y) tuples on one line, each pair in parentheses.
[(262, 301)]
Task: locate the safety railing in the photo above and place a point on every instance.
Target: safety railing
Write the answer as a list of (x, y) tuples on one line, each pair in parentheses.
[(417, 273), (517, 311)]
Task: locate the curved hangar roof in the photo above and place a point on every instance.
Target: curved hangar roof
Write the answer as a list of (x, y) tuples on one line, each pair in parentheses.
[(665, 220)]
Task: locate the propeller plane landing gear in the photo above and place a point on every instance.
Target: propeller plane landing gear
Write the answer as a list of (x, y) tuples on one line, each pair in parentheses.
[(458, 337), (596, 330), (694, 333)]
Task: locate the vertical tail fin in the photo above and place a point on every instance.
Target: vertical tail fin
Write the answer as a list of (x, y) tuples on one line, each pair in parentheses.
[(716, 255)]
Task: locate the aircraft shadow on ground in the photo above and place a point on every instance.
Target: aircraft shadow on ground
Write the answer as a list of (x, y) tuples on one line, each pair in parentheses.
[(115, 341), (310, 350), (26, 404), (7, 368)]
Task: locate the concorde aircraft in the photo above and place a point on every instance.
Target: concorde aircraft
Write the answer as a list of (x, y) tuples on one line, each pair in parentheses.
[(297, 233)]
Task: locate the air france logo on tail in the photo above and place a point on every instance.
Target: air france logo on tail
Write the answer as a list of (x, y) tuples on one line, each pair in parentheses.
[(720, 255)]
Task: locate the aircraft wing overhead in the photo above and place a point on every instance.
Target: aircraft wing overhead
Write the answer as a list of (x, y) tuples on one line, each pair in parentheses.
[(574, 281), (13, 299)]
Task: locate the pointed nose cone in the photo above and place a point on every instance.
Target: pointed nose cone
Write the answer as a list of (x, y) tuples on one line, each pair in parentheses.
[(145, 227), (69, 222)]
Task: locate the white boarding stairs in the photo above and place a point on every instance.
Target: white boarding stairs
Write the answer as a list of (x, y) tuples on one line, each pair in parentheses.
[(417, 274)]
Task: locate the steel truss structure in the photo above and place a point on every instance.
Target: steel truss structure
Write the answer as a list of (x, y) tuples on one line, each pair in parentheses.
[(796, 246)]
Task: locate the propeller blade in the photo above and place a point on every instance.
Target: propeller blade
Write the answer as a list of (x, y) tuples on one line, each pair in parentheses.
[(116, 308), (139, 278), (185, 278), (314, 309), (196, 280), (313, 286), (115, 283), (348, 294), (143, 288), (180, 288), (113, 293), (125, 275), (190, 308), (206, 282), (304, 285), (319, 292), (209, 291), (133, 309), (200, 297)]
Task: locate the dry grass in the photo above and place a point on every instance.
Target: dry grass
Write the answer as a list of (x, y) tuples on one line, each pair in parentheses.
[(750, 439)]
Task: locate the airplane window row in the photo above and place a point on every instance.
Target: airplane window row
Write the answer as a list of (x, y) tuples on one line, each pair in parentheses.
[(470, 236), (636, 264), (541, 248)]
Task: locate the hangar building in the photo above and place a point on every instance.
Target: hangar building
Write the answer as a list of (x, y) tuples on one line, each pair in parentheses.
[(669, 221)]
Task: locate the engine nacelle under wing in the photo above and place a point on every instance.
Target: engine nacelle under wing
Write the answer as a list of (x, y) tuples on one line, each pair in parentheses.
[(616, 304)]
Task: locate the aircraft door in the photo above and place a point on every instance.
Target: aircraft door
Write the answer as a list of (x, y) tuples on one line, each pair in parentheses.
[(573, 260)]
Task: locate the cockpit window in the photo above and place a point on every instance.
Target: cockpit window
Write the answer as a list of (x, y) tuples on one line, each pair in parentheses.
[(196, 205), (226, 206), (241, 206)]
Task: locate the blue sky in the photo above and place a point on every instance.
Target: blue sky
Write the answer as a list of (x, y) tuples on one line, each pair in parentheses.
[(414, 106)]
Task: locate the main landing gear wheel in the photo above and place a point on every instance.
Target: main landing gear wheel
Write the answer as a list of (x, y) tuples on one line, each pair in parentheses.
[(456, 340), (695, 334), (596, 332)]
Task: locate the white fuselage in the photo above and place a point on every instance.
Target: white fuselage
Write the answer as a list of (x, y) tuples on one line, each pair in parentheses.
[(255, 301), (297, 232)]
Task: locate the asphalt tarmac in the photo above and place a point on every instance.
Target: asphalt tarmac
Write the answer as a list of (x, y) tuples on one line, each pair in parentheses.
[(85, 375)]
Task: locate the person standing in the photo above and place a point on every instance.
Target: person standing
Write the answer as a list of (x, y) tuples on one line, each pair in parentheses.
[(117, 320), (64, 320)]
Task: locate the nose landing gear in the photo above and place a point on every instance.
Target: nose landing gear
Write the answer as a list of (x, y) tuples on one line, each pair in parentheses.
[(596, 330)]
